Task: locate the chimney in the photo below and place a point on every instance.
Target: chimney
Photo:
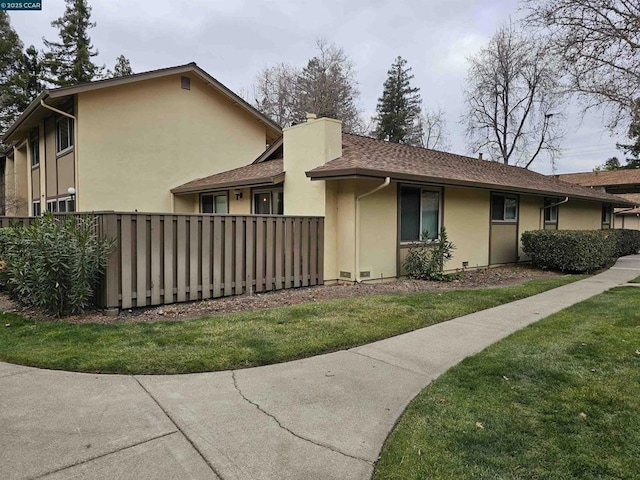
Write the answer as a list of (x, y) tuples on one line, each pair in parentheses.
[(480, 156)]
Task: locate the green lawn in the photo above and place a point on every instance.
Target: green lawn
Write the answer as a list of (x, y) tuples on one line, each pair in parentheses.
[(557, 400), (244, 339), (635, 280)]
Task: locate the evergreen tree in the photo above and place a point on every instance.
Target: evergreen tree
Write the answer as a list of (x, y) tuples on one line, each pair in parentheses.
[(122, 68), (11, 62), (398, 111), (68, 61), (29, 82), (327, 87)]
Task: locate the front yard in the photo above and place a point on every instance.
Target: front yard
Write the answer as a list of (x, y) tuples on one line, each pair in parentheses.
[(557, 400), (245, 339)]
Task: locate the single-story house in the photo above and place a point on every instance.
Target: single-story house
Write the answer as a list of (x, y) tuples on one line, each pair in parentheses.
[(623, 183), (122, 143), (378, 198)]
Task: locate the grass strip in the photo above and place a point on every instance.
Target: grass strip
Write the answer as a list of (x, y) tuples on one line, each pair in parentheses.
[(557, 400), (243, 339)]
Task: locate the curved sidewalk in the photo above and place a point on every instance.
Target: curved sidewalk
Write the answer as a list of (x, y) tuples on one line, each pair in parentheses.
[(324, 417)]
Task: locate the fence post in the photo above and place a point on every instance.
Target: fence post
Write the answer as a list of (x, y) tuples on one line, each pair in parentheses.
[(111, 287)]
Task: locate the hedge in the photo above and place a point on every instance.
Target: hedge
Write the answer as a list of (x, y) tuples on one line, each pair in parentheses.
[(578, 250)]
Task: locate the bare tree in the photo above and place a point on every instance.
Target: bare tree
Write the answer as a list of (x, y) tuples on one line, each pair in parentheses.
[(513, 99), (274, 93), (600, 43), (327, 86), (434, 129)]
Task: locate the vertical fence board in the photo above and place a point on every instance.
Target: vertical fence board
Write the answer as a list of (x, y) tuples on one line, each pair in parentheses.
[(305, 251), (288, 253), (112, 273), (141, 260), (125, 261), (156, 257), (313, 252), (206, 257), (279, 246), (297, 252), (217, 257), (228, 255), (249, 254), (169, 259), (181, 255), (260, 254), (194, 256), (320, 251), (270, 247), (239, 256)]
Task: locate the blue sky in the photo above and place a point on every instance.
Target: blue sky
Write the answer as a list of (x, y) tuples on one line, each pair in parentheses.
[(234, 39)]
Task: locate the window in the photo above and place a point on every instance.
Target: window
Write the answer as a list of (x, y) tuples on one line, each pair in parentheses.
[(268, 202), (419, 212), (606, 216), (550, 212), (216, 203), (36, 208), (504, 208), (64, 134), (35, 148), (52, 206), (66, 205)]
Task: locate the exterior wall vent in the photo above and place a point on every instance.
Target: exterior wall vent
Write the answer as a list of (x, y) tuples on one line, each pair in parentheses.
[(365, 274), (345, 274), (185, 83)]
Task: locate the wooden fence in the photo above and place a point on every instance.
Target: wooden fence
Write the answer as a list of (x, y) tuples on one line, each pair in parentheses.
[(169, 258)]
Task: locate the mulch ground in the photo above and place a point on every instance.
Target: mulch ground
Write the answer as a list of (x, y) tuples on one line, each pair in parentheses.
[(482, 278)]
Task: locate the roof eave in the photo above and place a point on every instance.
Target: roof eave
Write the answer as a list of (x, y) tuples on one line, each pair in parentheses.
[(33, 106), (350, 173), (254, 182)]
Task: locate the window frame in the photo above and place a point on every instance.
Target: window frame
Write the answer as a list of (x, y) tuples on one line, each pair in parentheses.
[(422, 189), (34, 148), (52, 203), (70, 135), (36, 205), (68, 201), (505, 196), (214, 195), (607, 211), (549, 209), (271, 192)]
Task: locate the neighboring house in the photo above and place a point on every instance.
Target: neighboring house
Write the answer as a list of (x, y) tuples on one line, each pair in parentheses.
[(121, 144), (623, 183), (377, 198)]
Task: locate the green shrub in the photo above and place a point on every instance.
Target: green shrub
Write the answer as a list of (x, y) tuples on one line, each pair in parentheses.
[(56, 263), (627, 242), (570, 250), (425, 260)]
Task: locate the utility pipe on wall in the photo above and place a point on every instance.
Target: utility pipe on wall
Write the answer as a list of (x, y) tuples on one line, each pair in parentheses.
[(566, 199), (75, 148), (385, 184)]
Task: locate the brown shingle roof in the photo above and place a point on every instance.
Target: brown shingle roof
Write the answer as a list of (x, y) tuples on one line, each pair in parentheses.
[(266, 173), (364, 156), (632, 197), (603, 179)]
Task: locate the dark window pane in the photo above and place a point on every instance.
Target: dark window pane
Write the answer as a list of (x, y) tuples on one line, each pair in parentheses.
[(221, 204), (430, 213), (510, 209), (207, 204), (262, 203), (409, 214), (497, 207), (279, 206)]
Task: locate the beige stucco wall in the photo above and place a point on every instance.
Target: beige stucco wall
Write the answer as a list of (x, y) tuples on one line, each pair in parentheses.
[(345, 231), (529, 218), (241, 206), (628, 222), (580, 215), (378, 229), (66, 175), (466, 218), (137, 141)]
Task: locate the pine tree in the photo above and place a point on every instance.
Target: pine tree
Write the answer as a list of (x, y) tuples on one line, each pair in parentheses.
[(69, 61), (29, 82), (121, 69), (398, 111), (11, 62)]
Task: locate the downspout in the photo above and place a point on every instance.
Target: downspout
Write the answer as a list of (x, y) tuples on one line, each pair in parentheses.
[(75, 149), (386, 183), (541, 226)]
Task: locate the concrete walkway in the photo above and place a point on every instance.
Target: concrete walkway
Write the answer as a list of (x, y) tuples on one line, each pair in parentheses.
[(325, 417)]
